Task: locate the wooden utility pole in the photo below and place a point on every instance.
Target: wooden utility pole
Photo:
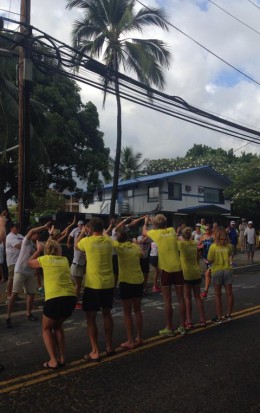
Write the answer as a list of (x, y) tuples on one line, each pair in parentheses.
[(25, 77)]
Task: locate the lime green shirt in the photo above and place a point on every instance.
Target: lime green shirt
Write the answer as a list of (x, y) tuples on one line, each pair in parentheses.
[(129, 262), (219, 256), (98, 249), (56, 274), (166, 240), (189, 260)]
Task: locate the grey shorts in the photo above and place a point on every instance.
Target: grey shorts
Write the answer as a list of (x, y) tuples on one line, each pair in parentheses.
[(77, 270), (250, 247), (24, 283), (11, 271), (222, 277)]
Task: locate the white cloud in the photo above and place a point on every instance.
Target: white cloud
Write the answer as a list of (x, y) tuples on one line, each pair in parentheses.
[(195, 75)]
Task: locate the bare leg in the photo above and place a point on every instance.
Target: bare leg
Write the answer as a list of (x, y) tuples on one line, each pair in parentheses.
[(199, 302), (167, 298), (207, 280), (30, 302), (92, 333), (138, 320), (230, 298), (188, 304), (180, 296), (11, 304), (128, 320), (108, 327), (218, 300), (78, 282), (60, 341), (156, 278), (48, 325), (145, 280)]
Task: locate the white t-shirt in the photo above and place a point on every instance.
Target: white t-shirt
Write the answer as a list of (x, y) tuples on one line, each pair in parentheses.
[(154, 249), (26, 251), (250, 234), (79, 257), (12, 253)]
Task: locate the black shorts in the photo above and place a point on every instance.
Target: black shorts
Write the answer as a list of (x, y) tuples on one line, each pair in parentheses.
[(145, 265), (171, 278), (115, 264), (193, 282), (128, 291), (154, 261), (60, 307), (94, 299)]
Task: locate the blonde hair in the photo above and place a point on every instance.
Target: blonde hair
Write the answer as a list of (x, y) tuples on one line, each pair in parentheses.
[(52, 247), (186, 233), (159, 221), (221, 234)]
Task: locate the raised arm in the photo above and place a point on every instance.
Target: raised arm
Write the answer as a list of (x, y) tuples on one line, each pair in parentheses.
[(66, 230), (136, 221), (33, 262), (146, 221), (37, 229)]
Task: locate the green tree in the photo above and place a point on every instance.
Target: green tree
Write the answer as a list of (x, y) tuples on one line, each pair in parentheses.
[(103, 28), (131, 165)]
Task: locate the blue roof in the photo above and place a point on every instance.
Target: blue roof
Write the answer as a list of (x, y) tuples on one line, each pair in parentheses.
[(151, 178)]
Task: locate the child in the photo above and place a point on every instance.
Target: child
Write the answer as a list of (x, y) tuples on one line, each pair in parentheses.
[(192, 277), (131, 281), (219, 255)]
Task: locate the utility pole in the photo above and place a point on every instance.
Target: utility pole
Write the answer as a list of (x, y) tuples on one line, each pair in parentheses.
[(25, 78)]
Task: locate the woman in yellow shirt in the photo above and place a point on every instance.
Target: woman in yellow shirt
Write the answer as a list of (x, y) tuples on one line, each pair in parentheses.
[(219, 255), (60, 299), (131, 282)]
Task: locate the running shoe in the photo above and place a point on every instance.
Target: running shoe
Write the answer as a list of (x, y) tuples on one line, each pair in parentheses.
[(204, 294), (216, 320), (181, 330), (41, 291), (78, 306), (227, 317), (166, 332), (156, 290)]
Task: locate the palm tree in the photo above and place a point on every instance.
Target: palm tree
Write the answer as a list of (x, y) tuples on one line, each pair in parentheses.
[(131, 165), (102, 29)]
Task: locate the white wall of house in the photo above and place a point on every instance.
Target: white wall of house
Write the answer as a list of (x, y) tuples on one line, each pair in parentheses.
[(191, 187)]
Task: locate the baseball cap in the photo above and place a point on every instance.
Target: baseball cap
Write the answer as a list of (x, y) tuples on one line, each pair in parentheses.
[(80, 223), (243, 219), (232, 223), (14, 224), (198, 225), (250, 222)]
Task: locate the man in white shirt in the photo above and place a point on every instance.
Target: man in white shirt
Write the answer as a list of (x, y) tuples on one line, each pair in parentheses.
[(250, 240), (24, 279), (12, 246)]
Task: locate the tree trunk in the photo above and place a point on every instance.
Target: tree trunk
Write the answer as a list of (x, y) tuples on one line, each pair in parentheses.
[(118, 152)]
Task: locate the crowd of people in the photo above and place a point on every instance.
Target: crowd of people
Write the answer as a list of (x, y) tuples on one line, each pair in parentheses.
[(108, 260)]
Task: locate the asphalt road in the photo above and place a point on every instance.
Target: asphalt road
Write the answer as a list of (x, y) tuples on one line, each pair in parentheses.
[(216, 369)]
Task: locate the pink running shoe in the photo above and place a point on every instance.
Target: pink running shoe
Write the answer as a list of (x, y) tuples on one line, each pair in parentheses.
[(204, 294), (78, 306), (188, 325)]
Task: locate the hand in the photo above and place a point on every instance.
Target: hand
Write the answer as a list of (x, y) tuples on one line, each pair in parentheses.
[(51, 230), (146, 219), (47, 226), (39, 246)]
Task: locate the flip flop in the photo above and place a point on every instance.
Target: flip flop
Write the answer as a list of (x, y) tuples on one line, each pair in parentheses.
[(48, 367), (127, 347), (61, 364), (110, 353), (89, 359)]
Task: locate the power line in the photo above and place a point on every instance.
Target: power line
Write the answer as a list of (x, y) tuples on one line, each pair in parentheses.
[(205, 48), (233, 17), (254, 4)]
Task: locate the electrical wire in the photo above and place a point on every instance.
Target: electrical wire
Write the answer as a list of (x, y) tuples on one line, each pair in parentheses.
[(254, 4), (205, 48)]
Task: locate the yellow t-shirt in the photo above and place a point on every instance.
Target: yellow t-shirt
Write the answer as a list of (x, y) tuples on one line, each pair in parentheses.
[(219, 255), (98, 249), (56, 274), (166, 240), (189, 261), (129, 262)]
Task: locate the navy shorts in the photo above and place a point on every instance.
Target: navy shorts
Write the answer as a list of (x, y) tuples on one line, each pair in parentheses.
[(145, 265), (154, 261), (170, 278), (60, 307), (94, 299), (129, 291), (193, 282)]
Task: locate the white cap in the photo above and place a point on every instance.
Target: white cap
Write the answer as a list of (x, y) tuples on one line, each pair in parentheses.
[(250, 222), (232, 223), (80, 223), (197, 225)]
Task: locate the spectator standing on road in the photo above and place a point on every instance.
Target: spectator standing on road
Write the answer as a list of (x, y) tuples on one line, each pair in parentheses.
[(192, 276), (250, 239), (60, 299), (171, 272), (78, 265), (131, 281), (196, 234), (203, 225), (24, 279), (12, 247), (99, 284), (242, 228), (219, 256), (233, 239), (204, 245)]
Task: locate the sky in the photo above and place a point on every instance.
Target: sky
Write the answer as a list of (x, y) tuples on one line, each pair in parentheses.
[(195, 75)]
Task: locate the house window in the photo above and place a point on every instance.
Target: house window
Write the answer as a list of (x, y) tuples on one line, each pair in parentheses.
[(130, 193), (153, 193), (174, 191), (213, 195)]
